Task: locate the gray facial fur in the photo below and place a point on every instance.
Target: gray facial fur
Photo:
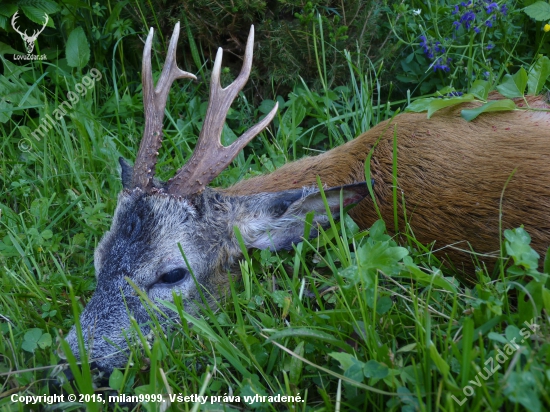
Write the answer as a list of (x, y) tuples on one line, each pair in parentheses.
[(142, 245)]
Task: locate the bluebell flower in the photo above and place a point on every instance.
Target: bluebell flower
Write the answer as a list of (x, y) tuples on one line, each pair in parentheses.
[(504, 9), (489, 23)]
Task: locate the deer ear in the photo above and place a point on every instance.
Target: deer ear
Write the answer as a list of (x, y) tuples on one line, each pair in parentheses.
[(278, 219), (126, 172)]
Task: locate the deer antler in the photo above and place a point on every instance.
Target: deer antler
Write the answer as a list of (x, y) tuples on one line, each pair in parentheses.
[(210, 157), (154, 103)]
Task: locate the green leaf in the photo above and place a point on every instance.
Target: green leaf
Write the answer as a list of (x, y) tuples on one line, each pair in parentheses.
[(383, 305), (373, 369), (296, 365), (420, 105), (414, 272), (7, 49), (345, 359), (518, 247), (45, 341), (115, 380), (439, 104), (30, 340), (77, 49), (480, 89), (36, 15), (547, 262), (538, 75), (439, 362), (266, 106), (492, 106), (540, 11), (513, 85), (521, 388), (309, 333), (46, 234), (355, 372)]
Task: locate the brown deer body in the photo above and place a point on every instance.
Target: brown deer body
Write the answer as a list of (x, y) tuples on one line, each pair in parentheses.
[(451, 174)]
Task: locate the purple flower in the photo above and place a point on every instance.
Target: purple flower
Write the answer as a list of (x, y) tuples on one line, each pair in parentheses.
[(489, 23), (504, 9), (492, 7), (490, 46), (440, 65), (476, 29)]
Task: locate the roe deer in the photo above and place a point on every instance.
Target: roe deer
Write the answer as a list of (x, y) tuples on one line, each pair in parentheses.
[(451, 174)]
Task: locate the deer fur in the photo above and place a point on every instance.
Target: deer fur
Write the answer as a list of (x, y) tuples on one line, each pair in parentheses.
[(451, 175)]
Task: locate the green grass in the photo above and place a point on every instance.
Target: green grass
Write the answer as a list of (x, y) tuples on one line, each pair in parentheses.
[(348, 321)]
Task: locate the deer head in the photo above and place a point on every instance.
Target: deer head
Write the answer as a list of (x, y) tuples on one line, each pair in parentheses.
[(29, 40), (154, 219)]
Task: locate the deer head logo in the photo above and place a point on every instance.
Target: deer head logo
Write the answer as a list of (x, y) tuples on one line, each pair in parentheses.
[(29, 40)]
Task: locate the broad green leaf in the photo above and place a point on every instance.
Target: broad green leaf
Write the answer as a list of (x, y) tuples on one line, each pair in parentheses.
[(538, 75), (45, 6), (37, 16), (383, 305), (419, 105), (30, 340), (355, 372), (266, 106), (540, 11), (438, 104), (513, 85), (45, 341), (480, 89), (7, 49), (345, 359), (518, 247), (497, 337), (77, 49), (521, 387), (492, 106), (115, 380), (373, 369)]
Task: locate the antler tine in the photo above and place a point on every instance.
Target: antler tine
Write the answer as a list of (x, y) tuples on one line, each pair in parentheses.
[(210, 156), (154, 103)]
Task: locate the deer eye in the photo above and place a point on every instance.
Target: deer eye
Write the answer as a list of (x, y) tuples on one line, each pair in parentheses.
[(174, 276)]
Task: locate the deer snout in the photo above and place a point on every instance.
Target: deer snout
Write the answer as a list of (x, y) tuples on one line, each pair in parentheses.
[(106, 329)]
